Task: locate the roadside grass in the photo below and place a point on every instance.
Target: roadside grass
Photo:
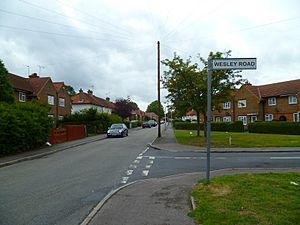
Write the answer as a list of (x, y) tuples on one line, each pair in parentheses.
[(248, 199), (221, 139)]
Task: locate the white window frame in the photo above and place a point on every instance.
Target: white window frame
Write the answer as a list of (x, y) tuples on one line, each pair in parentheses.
[(269, 117), (272, 101), (296, 117), (253, 119), (50, 100), (22, 96), (61, 102), (60, 117), (226, 105), (227, 119), (242, 103), (217, 119), (292, 100), (243, 119)]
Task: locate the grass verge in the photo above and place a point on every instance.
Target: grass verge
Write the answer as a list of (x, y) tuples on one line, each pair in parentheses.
[(248, 199), (221, 139)]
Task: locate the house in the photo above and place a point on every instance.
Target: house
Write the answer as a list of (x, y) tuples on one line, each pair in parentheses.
[(43, 90), (277, 101), (225, 112), (87, 100), (63, 100), (137, 114), (151, 115), (190, 115)]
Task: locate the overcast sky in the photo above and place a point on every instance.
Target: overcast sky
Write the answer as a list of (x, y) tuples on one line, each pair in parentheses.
[(109, 46)]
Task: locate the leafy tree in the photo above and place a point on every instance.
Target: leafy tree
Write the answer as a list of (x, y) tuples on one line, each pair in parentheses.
[(133, 105), (187, 84), (123, 107), (7, 93), (70, 90), (153, 107)]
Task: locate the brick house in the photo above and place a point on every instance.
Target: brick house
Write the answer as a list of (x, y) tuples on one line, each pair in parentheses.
[(152, 115), (63, 100), (225, 112), (41, 89), (277, 101), (87, 100), (137, 115)]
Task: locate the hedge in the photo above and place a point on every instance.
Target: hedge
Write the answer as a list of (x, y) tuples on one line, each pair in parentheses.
[(215, 126), (273, 127), (23, 126)]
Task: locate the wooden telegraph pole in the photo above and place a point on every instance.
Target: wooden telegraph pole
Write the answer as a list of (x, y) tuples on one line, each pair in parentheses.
[(158, 89)]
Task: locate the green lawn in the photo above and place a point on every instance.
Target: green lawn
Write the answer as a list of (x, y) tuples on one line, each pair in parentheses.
[(248, 199), (221, 139)]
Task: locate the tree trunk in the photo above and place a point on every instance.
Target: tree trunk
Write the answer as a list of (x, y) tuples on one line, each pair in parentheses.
[(198, 123)]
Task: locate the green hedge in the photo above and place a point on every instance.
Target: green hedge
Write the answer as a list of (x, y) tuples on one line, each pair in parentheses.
[(23, 126), (275, 127), (215, 126)]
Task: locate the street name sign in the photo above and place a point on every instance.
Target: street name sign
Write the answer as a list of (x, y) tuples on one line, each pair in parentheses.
[(234, 64)]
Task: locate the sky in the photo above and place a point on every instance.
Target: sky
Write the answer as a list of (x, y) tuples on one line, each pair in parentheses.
[(110, 46)]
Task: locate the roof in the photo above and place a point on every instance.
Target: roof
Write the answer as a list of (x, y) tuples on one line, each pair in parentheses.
[(291, 87), (20, 83), (38, 83), (85, 98), (58, 85)]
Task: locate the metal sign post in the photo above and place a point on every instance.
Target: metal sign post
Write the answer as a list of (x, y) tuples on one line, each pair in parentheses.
[(221, 64)]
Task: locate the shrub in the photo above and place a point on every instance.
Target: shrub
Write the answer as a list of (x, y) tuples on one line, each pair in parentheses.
[(23, 126), (275, 127), (215, 126), (187, 126)]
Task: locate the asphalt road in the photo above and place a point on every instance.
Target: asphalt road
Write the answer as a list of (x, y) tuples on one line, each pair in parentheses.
[(63, 188)]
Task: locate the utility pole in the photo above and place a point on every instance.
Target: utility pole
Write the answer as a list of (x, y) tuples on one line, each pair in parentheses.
[(158, 88), (28, 70), (209, 73)]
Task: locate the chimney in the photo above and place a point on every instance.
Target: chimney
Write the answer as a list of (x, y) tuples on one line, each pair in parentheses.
[(34, 75), (90, 92), (80, 90), (107, 99)]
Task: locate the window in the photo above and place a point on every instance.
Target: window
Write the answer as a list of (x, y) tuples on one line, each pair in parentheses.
[(243, 119), (227, 119), (242, 103), (226, 105), (50, 100), (217, 119), (22, 97), (61, 102), (268, 117), (272, 101), (296, 117), (60, 117), (253, 119), (292, 100)]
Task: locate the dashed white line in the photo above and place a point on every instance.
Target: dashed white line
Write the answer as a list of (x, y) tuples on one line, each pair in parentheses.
[(148, 166), (145, 173), (132, 166), (139, 157), (151, 161), (136, 161), (151, 157), (124, 180)]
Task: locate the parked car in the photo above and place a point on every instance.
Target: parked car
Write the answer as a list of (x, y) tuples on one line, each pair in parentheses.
[(153, 123), (117, 130), (146, 124)]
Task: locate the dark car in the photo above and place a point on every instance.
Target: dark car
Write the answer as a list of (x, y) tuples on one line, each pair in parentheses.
[(146, 124), (117, 130)]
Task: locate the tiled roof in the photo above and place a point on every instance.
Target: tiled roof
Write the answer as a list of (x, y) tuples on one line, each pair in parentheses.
[(20, 83), (38, 83), (58, 85), (85, 98)]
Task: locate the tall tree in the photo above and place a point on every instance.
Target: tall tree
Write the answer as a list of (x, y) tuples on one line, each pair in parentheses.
[(7, 93), (123, 107), (70, 90), (153, 107), (187, 84)]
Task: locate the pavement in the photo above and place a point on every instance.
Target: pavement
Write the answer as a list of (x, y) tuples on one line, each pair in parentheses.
[(159, 201)]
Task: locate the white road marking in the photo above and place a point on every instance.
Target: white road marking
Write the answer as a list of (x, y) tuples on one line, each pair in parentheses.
[(151, 157), (132, 166), (151, 161), (129, 172), (145, 173), (124, 180), (148, 166), (136, 161), (139, 157), (295, 157)]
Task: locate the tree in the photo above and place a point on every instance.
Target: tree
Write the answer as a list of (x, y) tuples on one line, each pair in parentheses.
[(70, 90), (7, 93), (187, 84), (123, 107), (153, 107)]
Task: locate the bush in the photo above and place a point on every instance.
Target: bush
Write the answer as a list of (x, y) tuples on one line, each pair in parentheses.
[(23, 126), (215, 126), (275, 127), (136, 123)]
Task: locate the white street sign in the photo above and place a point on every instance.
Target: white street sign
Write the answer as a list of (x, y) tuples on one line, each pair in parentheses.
[(234, 64)]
